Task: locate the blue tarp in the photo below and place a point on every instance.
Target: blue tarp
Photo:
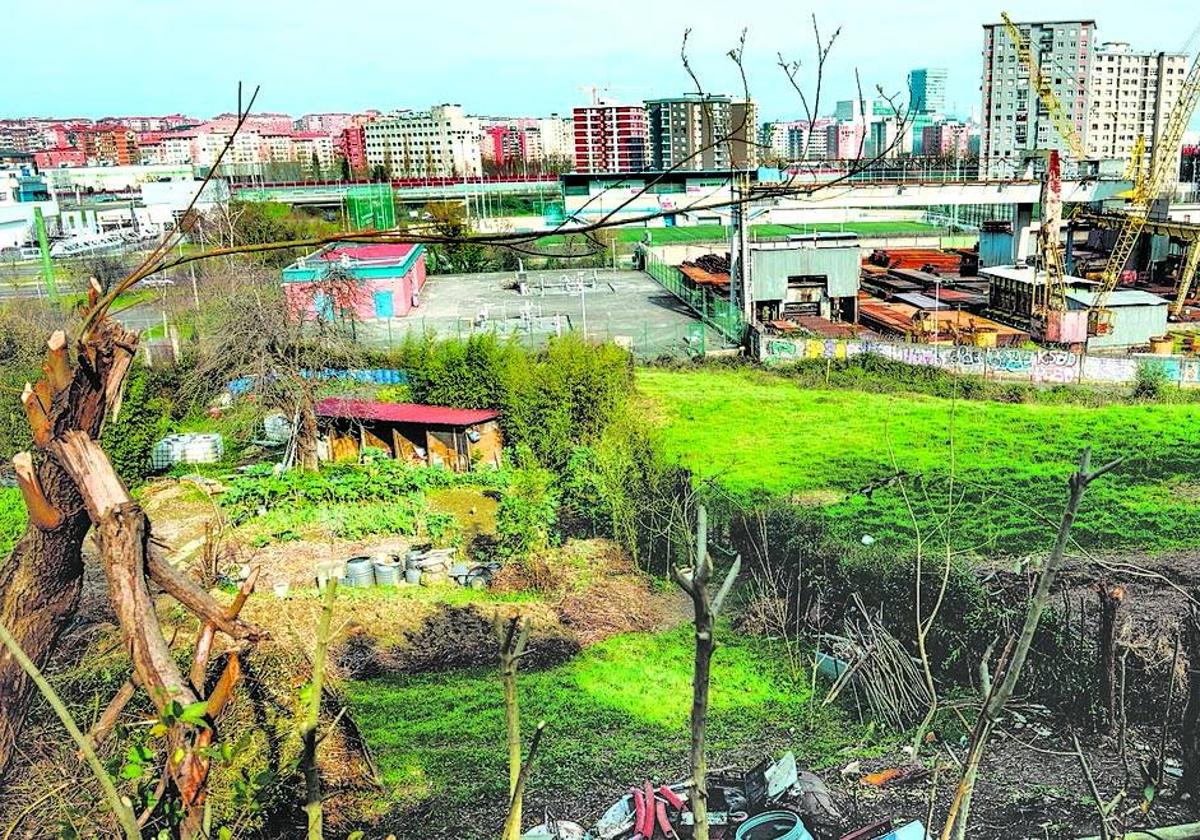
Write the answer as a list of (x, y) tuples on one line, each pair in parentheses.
[(374, 376)]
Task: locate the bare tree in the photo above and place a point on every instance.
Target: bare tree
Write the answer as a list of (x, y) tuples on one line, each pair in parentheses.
[(997, 692), (250, 328)]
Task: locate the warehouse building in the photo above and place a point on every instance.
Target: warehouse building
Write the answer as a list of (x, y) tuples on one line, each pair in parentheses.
[(809, 275), (1137, 316)]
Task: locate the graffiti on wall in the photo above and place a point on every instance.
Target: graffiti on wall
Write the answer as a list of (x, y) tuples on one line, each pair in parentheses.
[(1042, 366)]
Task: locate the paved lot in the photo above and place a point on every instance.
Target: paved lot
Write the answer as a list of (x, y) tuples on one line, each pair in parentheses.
[(625, 306)]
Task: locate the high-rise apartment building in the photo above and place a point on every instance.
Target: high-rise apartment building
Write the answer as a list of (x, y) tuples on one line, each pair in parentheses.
[(695, 132), (1130, 94), (1015, 123), (610, 137), (689, 132), (946, 140), (439, 143), (927, 90), (743, 122)]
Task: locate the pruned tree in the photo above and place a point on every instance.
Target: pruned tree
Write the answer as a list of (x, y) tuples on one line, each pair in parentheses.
[(997, 691), (512, 637), (70, 486), (695, 582)]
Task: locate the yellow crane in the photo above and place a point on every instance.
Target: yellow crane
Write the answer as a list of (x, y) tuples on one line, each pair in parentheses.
[(1050, 303), (1163, 160), (1045, 91)]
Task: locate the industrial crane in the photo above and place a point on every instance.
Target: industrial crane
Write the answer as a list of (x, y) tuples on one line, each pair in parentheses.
[(1050, 303), (1162, 168)]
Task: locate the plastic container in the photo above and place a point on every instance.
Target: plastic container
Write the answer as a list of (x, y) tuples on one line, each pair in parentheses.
[(773, 825), (914, 830), (360, 572), (387, 572)]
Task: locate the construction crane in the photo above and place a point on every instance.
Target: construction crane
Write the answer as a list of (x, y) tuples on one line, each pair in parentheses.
[(1050, 300), (1159, 178), (1045, 91)]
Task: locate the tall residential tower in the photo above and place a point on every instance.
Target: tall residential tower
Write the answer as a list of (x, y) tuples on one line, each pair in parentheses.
[(1015, 123)]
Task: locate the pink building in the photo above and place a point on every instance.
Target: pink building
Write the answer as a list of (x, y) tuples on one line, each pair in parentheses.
[(60, 157), (945, 140), (363, 281), (845, 141)]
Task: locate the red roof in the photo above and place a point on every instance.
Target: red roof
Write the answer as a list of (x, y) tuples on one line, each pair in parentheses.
[(398, 251), (425, 415)]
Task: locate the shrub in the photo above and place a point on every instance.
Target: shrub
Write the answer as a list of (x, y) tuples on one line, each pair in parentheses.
[(527, 513), (586, 510), (144, 419), (1149, 381)]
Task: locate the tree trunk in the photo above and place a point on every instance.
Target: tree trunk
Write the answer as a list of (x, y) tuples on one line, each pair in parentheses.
[(1106, 665), (699, 764), (1191, 714), (306, 436), (39, 592)]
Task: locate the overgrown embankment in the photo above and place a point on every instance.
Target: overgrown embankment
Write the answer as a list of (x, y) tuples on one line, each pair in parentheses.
[(995, 471)]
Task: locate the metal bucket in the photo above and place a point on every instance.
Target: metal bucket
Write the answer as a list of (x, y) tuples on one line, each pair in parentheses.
[(360, 572), (412, 576), (773, 825), (387, 573)]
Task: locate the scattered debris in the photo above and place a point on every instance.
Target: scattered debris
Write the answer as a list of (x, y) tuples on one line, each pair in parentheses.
[(774, 800), (895, 775), (880, 673)]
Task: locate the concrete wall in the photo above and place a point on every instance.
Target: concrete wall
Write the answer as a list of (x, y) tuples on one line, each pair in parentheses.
[(1038, 366)]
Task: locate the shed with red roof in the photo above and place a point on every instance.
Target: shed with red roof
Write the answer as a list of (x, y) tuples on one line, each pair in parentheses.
[(460, 439)]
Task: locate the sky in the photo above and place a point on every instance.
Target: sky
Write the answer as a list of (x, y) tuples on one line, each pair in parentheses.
[(528, 57)]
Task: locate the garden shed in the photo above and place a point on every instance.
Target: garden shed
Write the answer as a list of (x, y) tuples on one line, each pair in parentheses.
[(460, 439)]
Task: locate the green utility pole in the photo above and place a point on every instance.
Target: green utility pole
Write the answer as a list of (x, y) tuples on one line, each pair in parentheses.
[(39, 223)]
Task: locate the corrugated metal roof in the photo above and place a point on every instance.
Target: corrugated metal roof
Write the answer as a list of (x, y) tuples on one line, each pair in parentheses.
[(1119, 297), (426, 415), (921, 301)]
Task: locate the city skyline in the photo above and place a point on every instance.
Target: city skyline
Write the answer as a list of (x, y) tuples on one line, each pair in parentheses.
[(521, 65)]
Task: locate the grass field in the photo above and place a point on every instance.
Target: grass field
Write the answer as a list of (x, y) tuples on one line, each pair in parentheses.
[(719, 233), (615, 714), (758, 434)]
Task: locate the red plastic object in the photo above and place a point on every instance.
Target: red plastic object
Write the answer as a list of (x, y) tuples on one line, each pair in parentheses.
[(648, 821), (665, 824), (639, 813), (673, 799)]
